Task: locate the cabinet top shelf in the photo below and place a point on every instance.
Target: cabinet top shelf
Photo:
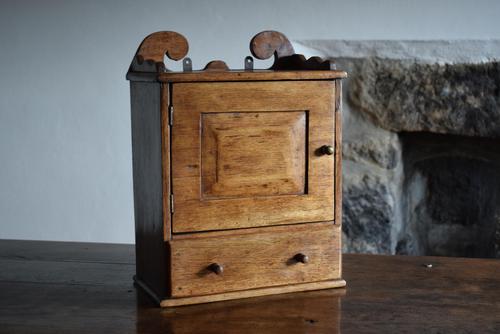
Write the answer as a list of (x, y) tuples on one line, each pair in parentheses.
[(237, 75)]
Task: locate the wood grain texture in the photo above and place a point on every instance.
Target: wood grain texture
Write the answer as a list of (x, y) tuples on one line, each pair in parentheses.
[(338, 151), (192, 100), (83, 288), (262, 259), (273, 43), (150, 55), (165, 160), (148, 184), (222, 159), (239, 231), (270, 43), (60, 251), (301, 287), (216, 65), (255, 75), (253, 154), (338, 159)]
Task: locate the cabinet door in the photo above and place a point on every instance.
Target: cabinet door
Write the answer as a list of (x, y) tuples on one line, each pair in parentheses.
[(247, 154)]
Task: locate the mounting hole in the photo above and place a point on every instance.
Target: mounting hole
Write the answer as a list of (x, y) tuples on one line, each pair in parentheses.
[(187, 64)]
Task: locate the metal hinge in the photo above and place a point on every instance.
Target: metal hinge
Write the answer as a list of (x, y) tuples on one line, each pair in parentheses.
[(170, 115), (171, 203)]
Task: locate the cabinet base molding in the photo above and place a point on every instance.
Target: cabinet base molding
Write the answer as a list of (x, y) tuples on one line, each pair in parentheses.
[(172, 302)]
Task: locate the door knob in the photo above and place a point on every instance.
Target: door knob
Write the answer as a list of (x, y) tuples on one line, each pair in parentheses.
[(301, 258), (327, 149), (216, 268)]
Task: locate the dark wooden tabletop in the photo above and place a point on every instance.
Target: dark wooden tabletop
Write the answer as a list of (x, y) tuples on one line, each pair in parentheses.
[(53, 287)]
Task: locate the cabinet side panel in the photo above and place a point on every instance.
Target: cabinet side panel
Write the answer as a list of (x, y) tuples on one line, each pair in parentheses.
[(151, 251), (338, 164), (165, 147), (338, 151)]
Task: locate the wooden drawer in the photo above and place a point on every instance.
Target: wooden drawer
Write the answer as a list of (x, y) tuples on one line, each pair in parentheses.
[(255, 258)]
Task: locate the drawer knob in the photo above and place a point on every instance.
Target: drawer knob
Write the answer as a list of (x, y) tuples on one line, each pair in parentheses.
[(327, 149), (301, 258), (216, 268)]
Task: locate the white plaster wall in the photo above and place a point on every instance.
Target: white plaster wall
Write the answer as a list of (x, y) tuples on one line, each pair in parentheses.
[(65, 156)]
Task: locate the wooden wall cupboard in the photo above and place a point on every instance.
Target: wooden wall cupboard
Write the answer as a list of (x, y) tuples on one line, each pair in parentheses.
[(237, 173)]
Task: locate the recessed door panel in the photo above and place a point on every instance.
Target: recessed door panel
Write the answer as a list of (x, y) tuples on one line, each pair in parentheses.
[(248, 154), (253, 154)]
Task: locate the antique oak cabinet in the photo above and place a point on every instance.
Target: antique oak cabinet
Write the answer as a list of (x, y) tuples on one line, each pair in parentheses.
[(237, 173)]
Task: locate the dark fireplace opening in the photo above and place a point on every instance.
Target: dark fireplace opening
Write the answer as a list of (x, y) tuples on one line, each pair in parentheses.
[(451, 195)]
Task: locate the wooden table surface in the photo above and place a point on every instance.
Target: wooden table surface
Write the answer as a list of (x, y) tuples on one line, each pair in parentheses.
[(54, 287)]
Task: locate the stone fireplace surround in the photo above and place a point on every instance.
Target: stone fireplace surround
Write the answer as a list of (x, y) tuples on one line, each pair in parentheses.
[(421, 171)]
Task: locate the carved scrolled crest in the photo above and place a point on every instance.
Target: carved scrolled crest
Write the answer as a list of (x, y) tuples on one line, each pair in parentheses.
[(268, 43), (149, 58), (151, 53)]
